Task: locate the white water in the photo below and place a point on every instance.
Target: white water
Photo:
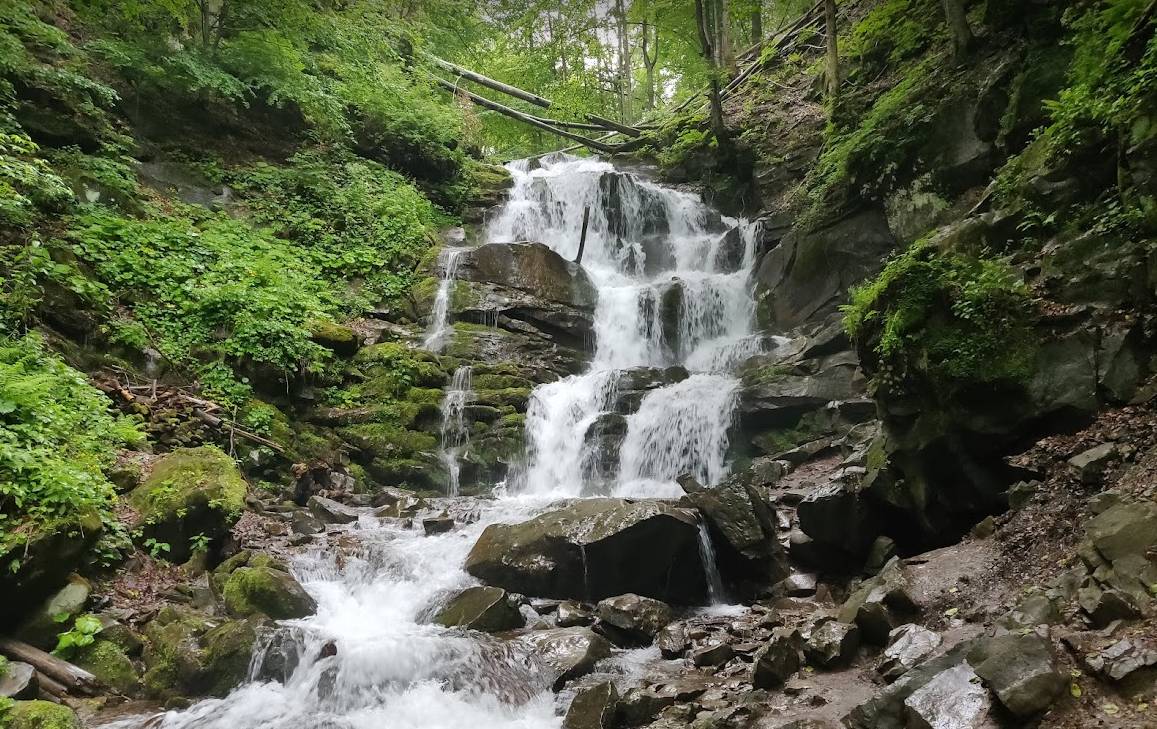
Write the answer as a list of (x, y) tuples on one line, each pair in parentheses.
[(455, 434), (715, 588), (439, 331), (680, 428), (392, 667)]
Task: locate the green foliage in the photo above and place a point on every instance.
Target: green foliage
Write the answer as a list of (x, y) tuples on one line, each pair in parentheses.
[(952, 318), (83, 632), (896, 30), (57, 437), (27, 183), (157, 549)]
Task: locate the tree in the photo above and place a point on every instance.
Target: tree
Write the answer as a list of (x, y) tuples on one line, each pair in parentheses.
[(650, 48), (708, 42), (833, 49), (958, 26)]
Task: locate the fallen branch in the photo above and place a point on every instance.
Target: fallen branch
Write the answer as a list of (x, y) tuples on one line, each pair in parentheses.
[(69, 678), (214, 421)]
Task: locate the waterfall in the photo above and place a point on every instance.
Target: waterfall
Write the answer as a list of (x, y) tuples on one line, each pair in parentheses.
[(674, 285), (440, 329), (715, 589), (455, 434)]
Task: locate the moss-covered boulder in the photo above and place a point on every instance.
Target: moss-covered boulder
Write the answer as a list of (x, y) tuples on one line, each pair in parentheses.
[(40, 715), (32, 571), (107, 661), (42, 625), (189, 654), (191, 492), (341, 340), (228, 652), (266, 590), (481, 608)]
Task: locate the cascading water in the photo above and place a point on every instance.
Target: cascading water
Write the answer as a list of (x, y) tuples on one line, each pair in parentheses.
[(715, 589), (673, 284), (455, 434), (673, 279)]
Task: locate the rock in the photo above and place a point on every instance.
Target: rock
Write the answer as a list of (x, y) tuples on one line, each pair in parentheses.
[(712, 655), (42, 627), (838, 517), (1089, 466), (593, 707), (882, 552), (305, 523), (1021, 671), (594, 549), (272, 592), (329, 511), (777, 661), (953, 699), (636, 617), (108, 662), (801, 584), (1124, 529), (396, 503), (438, 525), (832, 644), (1105, 606), (19, 681), (567, 652), (673, 640), (908, 646), (40, 715), (341, 340), (870, 606), (641, 705), (487, 609), (31, 574), (572, 614), (742, 515), (887, 710), (191, 492), (1121, 659)]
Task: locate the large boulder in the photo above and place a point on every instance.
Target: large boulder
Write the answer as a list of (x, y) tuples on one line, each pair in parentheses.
[(525, 285), (567, 653), (44, 623), (633, 618), (189, 654), (593, 707), (40, 715), (487, 609), (18, 681), (258, 584), (594, 549), (953, 699), (1022, 671), (33, 571), (810, 272), (107, 661), (191, 492), (741, 514)]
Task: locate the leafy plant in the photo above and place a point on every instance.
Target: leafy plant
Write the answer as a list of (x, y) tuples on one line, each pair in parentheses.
[(156, 549), (84, 631), (199, 543)]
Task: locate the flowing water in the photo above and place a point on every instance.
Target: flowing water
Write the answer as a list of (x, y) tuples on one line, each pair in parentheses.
[(673, 284), (455, 434)]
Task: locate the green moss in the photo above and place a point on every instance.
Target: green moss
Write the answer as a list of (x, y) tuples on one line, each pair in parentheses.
[(228, 650), (514, 420), (501, 382), (39, 715), (263, 589), (896, 30), (384, 438), (769, 373), (876, 457), (424, 292), (952, 318), (189, 474), (108, 662)]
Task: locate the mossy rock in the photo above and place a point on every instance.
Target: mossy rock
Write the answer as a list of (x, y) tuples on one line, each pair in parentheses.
[(173, 655), (33, 571), (42, 626), (40, 715), (516, 397), (228, 653), (263, 589), (501, 382), (105, 660), (341, 340), (191, 491), (383, 439)]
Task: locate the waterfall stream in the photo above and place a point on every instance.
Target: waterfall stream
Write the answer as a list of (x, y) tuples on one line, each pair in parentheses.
[(455, 434), (673, 285)]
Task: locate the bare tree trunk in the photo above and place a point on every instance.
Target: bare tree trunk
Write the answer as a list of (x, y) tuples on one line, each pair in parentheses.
[(726, 47), (626, 90), (757, 22), (703, 25), (958, 26), (650, 59), (833, 48)]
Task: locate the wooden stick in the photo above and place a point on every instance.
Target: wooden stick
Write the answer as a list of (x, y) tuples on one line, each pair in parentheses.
[(72, 678), (216, 422), (583, 237), (51, 690)]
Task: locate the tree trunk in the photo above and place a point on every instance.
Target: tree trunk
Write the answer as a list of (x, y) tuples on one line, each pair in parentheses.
[(958, 26), (726, 47), (650, 59), (715, 99), (757, 22), (833, 48), (626, 90)]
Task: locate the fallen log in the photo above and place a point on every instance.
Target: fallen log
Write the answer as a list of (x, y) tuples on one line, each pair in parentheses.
[(51, 690), (71, 679), (214, 421)]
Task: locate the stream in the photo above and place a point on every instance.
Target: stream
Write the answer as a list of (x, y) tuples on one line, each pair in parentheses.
[(673, 281)]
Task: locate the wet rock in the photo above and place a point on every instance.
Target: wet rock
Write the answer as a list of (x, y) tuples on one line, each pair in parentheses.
[(19, 681), (1105, 606), (568, 652), (1089, 466), (908, 646), (266, 590), (108, 662), (1122, 659), (953, 699), (42, 626), (487, 609), (303, 522), (742, 515), (633, 619), (594, 549), (191, 492), (870, 607), (40, 715), (887, 710), (396, 503), (837, 516), (572, 614), (593, 707), (778, 660), (438, 525), (673, 640), (712, 655), (329, 511), (832, 644), (1021, 670), (801, 584)]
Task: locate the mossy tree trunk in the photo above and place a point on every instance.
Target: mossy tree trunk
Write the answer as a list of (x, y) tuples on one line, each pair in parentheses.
[(958, 26), (833, 71)]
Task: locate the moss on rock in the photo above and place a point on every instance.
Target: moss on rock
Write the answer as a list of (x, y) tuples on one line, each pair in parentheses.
[(228, 650), (40, 715), (191, 491), (108, 662), (263, 589)]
